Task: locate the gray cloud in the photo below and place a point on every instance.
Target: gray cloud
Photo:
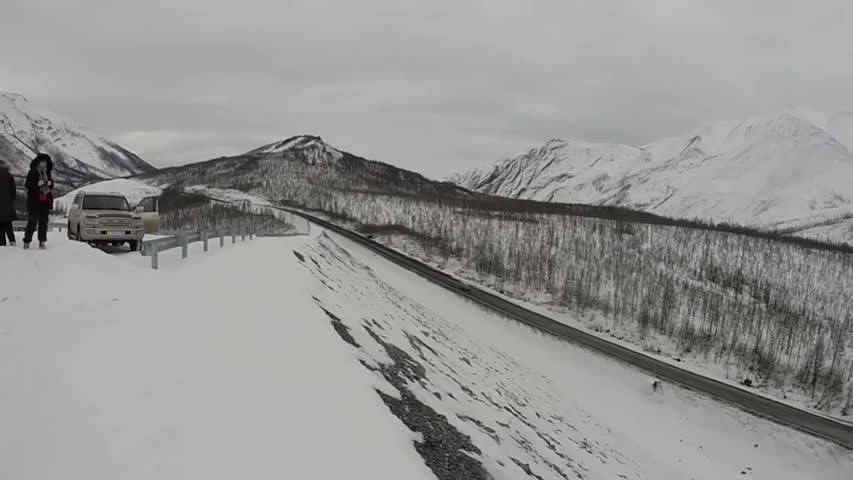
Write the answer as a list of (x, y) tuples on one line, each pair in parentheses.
[(433, 86)]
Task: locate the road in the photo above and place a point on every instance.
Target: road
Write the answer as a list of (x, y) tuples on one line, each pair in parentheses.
[(811, 423)]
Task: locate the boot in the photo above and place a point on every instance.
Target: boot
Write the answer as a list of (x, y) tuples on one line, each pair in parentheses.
[(42, 246), (26, 245)]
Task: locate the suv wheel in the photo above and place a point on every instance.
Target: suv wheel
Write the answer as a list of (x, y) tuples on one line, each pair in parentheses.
[(134, 245)]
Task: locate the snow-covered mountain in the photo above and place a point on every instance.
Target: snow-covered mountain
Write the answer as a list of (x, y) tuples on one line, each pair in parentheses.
[(79, 155), (299, 167), (790, 171)]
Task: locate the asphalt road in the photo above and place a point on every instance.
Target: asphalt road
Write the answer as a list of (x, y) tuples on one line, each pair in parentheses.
[(814, 424)]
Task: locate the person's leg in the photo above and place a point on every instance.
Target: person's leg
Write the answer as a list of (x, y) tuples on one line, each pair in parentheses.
[(32, 222), (3, 229), (10, 232), (44, 216)]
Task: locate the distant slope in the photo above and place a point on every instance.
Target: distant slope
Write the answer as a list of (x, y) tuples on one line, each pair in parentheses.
[(791, 171), (79, 155), (297, 168)]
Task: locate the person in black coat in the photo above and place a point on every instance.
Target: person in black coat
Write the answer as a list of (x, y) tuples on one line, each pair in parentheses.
[(39, 185), (7, 205)]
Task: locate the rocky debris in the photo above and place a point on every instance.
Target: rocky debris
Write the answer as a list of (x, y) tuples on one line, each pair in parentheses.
[(446, 450), (526, 468), (341, 329)]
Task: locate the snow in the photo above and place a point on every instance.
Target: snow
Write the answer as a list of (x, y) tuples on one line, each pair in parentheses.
[(548, 403), (133, 190), (257, 203), (597, 323), (226, 365), (130, 373), (314, 148), (281, 147), (227, 194), (25, 124), (766, 170), (136, 190)]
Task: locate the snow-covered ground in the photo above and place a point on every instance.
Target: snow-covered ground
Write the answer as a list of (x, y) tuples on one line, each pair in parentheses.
[(528, 399), (597, 323), (136, 190), (223, 368), (227, 194), (310, 357), (133, 190)]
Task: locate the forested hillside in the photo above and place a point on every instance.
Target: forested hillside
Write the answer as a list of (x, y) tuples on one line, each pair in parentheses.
[(773, 315)]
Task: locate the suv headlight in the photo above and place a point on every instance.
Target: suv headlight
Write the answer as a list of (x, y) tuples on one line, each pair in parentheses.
[(137, 221), (90, 220)]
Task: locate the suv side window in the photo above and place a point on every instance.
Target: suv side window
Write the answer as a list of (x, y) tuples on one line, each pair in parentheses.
[(149, 204)]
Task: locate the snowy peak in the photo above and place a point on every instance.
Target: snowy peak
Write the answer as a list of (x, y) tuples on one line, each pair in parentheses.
[(311, 148), (299, 168), (541, 172), (79, 155), (789, 170)]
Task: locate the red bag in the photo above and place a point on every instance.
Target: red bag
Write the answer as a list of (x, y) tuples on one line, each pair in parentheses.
[(44, 197)]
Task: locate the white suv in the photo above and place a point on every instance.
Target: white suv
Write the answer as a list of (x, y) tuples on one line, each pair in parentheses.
[(104, 219)]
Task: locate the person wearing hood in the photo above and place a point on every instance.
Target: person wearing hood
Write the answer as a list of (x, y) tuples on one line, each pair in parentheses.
[(7, 205), (39, 185)]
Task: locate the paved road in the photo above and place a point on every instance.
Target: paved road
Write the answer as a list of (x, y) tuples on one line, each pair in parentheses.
[(817, 425)]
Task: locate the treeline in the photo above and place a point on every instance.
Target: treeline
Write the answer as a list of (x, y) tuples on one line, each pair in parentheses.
[(295, 181), (181, 210)]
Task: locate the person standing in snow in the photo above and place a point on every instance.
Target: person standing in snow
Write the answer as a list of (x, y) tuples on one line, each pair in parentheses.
[(7, 205), (39, 185)]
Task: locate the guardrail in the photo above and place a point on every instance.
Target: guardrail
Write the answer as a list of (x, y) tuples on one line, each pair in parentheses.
[(814, 424), (152, 248), (19, 225)]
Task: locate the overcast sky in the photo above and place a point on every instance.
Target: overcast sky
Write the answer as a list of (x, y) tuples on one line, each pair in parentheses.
[(432, 85)]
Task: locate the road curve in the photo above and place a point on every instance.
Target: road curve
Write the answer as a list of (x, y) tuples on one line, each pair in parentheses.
[(811, 423)]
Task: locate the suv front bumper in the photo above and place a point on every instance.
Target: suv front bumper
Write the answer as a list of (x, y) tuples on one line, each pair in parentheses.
[(112, 234)]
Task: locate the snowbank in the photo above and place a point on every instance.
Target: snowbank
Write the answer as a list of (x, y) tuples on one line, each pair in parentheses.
[(134, 190), (310, 357), (109, 370)]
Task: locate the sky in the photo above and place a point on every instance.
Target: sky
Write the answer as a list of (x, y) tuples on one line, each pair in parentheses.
[(435, 86)]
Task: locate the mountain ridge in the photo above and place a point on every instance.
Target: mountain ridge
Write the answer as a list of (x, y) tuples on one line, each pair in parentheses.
[(80, 156), (301, 162), (790, 169)]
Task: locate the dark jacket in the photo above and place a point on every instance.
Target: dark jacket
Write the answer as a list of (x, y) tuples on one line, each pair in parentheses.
[(7, 196), (32, 184)]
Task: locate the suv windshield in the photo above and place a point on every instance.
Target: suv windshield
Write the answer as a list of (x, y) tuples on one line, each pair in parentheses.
[(104, 202)]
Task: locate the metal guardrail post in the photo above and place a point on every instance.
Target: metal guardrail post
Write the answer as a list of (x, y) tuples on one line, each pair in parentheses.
[(221, 238), (204, 235), (154, 264), (184, 249)]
